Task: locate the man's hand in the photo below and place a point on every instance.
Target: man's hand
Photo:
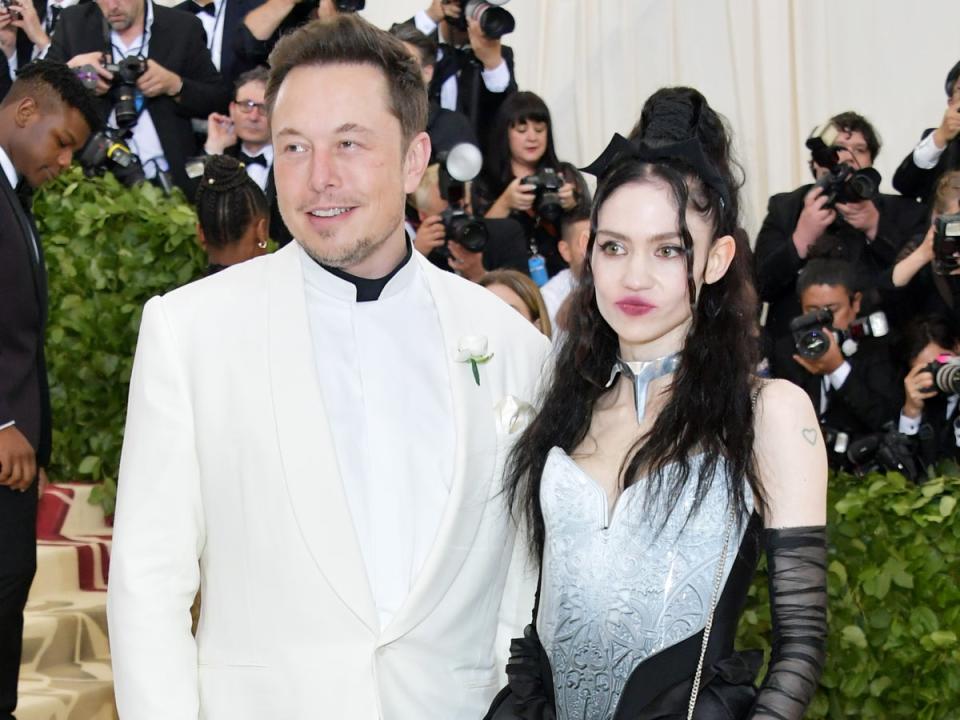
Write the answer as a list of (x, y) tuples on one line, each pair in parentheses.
[(28, 21), (157, 80), (949, 125), (568, 196), (814, 219), (863, 216), (826, 363), (438, 10), (18, 460), (486, 49), (430, 235), (96, 60), (918, 388), (221, 134), (465, 263)]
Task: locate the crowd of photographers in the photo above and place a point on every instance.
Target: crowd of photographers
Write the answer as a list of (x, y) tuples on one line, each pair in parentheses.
[(859, 288)]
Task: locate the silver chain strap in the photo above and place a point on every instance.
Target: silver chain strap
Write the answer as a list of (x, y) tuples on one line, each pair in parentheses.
[(717, 580)]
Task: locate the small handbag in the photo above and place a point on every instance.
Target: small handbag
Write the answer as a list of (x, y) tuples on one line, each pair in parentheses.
[(529, 693)]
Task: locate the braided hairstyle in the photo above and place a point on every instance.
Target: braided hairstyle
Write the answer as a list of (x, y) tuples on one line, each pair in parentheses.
[(228, 201), (709, 409)]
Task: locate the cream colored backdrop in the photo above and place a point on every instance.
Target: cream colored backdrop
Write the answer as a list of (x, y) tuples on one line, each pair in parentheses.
[(775, 68)]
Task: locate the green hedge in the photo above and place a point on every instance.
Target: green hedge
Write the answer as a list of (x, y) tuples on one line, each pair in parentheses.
[(894, 600), (108, 250)]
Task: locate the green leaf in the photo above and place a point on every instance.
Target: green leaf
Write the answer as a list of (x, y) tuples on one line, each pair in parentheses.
[(853, 635), (943, 638), (476, 371), (89, 465), (839, 570), (947, 504)]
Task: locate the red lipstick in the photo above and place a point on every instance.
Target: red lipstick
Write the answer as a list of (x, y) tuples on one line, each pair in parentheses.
[(634, 305)]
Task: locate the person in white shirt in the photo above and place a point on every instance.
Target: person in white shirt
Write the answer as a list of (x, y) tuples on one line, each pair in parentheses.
[(316, 438), (245, 132)]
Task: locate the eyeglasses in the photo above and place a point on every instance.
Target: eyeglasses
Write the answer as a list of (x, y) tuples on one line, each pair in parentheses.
[(248, 106)]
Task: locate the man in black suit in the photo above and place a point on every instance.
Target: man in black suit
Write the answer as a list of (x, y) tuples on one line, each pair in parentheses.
[(179, 83), (33, 21), (245, 135), (221, 21), (852, 385), (868, 233), (264, 25), (474, 73), (44, 119), (937, 151)]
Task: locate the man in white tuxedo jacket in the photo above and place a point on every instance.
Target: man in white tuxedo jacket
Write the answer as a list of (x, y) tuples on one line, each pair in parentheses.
[(316, 439)]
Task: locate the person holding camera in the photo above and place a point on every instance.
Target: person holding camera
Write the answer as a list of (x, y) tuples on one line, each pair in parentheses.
[(153, 74), (44, 119), (265, 24), (474, 71), (221, 20), (522, 180), (868, 231), (33, 22), (852, 383), (937, 151), (929, 413)]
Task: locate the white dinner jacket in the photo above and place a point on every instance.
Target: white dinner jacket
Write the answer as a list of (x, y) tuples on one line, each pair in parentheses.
[(229, 482)]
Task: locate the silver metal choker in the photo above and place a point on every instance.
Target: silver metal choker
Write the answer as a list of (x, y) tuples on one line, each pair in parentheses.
[(641, 374)]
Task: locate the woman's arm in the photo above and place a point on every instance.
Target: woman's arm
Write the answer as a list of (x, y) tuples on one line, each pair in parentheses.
[(793, 471)]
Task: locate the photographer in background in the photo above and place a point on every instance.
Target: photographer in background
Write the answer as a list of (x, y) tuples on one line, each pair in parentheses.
[(572, 246), (929, 413), (162, 76), (522, 179), (937, 151), (867, 232), (852, 383), (33, 21), (263, 26), (474, 71)]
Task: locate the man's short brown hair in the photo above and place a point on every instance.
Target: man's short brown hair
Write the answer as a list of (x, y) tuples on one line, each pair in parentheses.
[(348, 39)]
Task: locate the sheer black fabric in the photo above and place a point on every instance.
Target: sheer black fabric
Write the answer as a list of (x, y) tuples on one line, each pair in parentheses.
[(797, 568)]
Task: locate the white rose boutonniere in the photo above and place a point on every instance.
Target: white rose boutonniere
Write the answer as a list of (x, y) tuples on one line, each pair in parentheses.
[(513, 414), (473, 349)]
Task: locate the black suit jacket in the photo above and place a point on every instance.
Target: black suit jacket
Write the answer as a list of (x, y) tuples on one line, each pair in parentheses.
[(232, 64), (871, 395), (936, 439), (777, 262), (24, 394), (919, 183), (178, 43)]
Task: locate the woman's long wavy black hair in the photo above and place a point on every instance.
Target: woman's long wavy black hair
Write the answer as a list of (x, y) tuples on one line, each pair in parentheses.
[(710, 409)]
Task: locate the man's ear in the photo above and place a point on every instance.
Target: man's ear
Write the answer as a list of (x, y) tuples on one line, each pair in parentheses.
[(415, 162), (566, 252), (580, 245), (855, 302), (428, 71), (719, 258), (27, 110)]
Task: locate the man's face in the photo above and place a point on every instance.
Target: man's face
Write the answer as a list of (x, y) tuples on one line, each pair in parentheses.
[(341, 165), (121, 14), (852, 149), (835, 298), (249, 114), (48, 138)]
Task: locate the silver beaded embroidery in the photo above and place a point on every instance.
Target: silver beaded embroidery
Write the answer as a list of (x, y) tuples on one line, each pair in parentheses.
[(615, 592)]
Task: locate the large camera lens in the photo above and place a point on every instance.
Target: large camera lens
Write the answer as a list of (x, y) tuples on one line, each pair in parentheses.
[(466, 230), (947, 377), (495, 22), (812, 344)]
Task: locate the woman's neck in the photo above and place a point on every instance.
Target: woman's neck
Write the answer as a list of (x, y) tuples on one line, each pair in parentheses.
[(668, 344), (522, 169)]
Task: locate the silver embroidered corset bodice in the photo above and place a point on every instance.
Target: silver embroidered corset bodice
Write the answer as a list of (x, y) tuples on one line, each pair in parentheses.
[(616, 588)]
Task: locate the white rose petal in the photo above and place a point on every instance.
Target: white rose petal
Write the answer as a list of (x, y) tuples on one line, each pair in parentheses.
[(471, 347)]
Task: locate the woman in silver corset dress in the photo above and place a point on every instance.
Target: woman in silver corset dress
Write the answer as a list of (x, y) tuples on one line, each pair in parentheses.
[(659, 464)]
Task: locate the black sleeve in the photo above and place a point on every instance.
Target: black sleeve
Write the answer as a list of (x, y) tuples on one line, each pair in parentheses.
[(901, 219), (59, 50), (912, 181), (872, 392), (252, 51), (776, 258), (204, 90), (797, 569)]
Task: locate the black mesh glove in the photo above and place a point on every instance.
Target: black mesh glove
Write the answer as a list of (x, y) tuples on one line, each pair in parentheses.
[(797, 567)]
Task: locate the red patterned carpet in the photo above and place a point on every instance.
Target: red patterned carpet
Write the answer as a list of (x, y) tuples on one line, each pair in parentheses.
[(66, 672)]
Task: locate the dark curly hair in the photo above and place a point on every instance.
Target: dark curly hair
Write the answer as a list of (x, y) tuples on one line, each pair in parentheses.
[(709, 410)]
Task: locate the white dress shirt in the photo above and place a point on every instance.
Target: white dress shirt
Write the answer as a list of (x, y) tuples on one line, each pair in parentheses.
[(555, 291), (835, 381), (926, 154), (496, 80), (382, 367), (213, 27), (259, 173)]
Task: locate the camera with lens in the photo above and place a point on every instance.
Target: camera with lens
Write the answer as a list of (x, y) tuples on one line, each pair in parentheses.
[(11, 8), (106, 150), (873, 325), (886, 451), (126, 72), (842, 183), (809, 334), (495, 22), (946, 244), (946, 374), (457, 167), (547, 183)]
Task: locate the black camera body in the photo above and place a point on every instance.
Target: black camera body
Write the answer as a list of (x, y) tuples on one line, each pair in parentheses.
[(809, 337), (495, 22), (106, 150), (126, 72), (547, 183), (946, 244), (946, 374), (842, 183)]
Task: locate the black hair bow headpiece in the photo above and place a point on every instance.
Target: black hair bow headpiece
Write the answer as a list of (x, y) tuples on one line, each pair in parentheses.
[(689, 151)]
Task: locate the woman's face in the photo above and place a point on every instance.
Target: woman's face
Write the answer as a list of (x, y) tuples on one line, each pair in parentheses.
[(528, 141), (639, 269)]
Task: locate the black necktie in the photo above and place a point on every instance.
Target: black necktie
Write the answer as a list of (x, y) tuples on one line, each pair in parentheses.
[(255, 160), (197, 9)]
